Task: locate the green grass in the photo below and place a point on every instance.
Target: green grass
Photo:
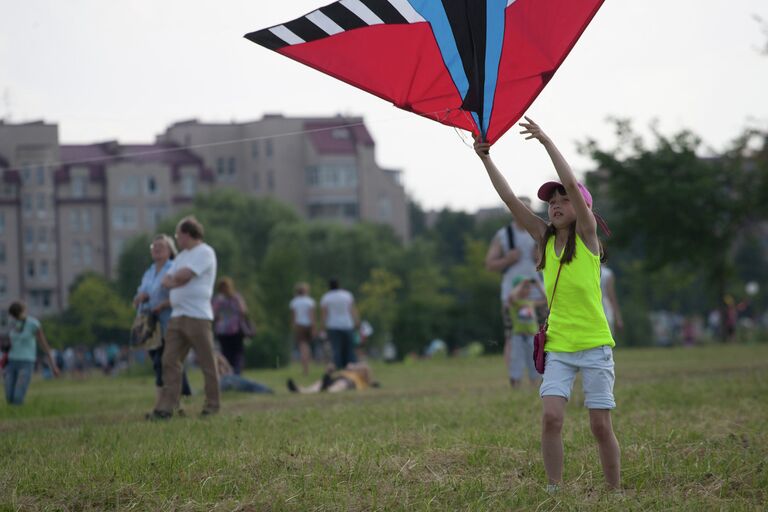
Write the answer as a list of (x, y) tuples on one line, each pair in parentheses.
[(439, 435)]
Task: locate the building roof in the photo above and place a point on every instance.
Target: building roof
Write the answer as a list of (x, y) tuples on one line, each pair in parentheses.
[(105, 152), (338, 136), (98, 156)]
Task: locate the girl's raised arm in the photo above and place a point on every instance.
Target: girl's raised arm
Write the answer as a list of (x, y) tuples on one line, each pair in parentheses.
[(529, 220), (586, 225)]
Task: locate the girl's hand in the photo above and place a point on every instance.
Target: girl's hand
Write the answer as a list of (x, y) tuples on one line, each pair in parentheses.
[(483, 149), (534, 131)]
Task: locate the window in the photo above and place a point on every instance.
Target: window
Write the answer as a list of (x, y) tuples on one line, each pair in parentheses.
[(42, 238), (85, 220), (29, 237), (124, 217), (27, 204), (332, 176), (76, 252), (347, 210), (41, 298), (255, 149), (2, 252), (129, 186), (152, 188), (232, 166), (26, 174), (87, 254), (270, 148), (74, 220), (155, 214), (221, 164), (3, 286), (41, 175), (117, 247), (271, 180), (340, 134), (44, 268), (256, 180), (41, 204), (79, 186), (30, 268), (385, 208), (188, 186)]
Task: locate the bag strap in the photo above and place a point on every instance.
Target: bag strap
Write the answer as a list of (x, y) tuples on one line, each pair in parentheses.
[(510, 236), (552, 299)]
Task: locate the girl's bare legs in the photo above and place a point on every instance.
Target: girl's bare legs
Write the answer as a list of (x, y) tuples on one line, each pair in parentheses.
[(608, 446), (552, 437)]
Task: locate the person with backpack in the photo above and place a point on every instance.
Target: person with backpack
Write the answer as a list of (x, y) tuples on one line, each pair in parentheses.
[(576, 337), (512, 253)]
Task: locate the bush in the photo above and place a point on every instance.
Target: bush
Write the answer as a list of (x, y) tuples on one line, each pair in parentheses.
[(268, 349)]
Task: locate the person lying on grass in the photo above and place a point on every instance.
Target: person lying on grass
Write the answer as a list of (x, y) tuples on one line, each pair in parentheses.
[(230, 381), (355, 376)]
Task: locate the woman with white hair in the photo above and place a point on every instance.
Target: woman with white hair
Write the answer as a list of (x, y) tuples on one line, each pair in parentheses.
[(153, 298)]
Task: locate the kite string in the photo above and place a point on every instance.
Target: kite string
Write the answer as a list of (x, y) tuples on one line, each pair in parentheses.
[(219, 143)]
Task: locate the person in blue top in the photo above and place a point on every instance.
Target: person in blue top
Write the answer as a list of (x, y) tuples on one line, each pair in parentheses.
[(153, 298), (26, 334)]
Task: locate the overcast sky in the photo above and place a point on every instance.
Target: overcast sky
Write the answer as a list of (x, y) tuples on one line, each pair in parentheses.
[(125, 70)]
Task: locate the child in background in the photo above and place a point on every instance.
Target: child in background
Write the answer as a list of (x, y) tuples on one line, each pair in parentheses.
[(522, 311)]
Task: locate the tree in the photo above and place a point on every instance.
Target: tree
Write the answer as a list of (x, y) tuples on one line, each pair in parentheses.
[(96, 314), (378, 303), (672, 208), (475, 315)]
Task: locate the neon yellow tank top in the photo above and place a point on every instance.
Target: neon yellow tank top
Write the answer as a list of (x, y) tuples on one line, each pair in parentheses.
[(577, 321)]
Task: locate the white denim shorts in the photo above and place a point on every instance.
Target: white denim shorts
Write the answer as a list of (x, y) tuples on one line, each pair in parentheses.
[(596, 366)]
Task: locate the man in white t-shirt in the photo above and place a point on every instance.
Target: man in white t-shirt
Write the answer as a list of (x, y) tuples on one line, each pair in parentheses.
[(340, 320), (191, 280), (512, 253), (303, 322)]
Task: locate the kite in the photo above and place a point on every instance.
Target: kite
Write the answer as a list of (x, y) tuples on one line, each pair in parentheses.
[(472, 64)]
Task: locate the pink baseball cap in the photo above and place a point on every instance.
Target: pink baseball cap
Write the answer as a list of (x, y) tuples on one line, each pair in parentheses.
[(547, 190)]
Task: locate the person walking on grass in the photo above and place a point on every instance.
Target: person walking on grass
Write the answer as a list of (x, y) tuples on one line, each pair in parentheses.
[(340, 320), (578, 338), (152, 298), (26, 334), (191, 280), (230, 315), (512, 253), (303, 323)]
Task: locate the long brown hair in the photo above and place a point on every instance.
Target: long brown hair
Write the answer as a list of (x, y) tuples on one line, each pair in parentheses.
[(570, 247), (226, 286)]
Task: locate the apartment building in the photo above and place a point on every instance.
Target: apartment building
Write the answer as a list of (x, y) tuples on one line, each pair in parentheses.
[(66, 209), (323, 167), (28, 152)]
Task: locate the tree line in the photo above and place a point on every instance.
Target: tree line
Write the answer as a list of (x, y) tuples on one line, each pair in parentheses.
[(688, 228)]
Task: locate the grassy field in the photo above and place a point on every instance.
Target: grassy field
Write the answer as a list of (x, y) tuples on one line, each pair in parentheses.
[(439, 435)]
